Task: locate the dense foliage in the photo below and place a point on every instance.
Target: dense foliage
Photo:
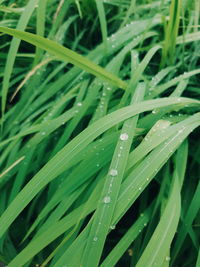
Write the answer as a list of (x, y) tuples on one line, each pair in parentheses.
[(100, 120)]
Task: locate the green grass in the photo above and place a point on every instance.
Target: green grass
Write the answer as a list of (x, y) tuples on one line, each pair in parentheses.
[(100, 116)]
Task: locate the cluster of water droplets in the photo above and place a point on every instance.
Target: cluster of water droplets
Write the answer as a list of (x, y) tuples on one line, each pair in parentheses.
[(78, 106), (113, 41)]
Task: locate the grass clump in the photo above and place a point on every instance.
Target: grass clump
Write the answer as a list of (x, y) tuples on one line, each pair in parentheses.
[(99, 129)]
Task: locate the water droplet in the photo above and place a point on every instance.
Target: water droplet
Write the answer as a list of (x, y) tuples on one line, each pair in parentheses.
[(112, 227), (95, 239), (97, 165), (142, 214), (153, 111), (113, 172), (43, 133), (145, 224), (106, 200), (140, 188), (124, 136), (79, 104), (167, 258)]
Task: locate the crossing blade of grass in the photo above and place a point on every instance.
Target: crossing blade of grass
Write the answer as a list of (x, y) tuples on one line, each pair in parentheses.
[(187, 221), (29, 75), (124, 243), (145, 171), (158, 134), (142, 174), (67, 123), (23, 21), (61, 226), (171, 32), (66, 54), (159, 244), (43, 127), (21, 176), (38, 138), (61, 160), (129, 12), (12, 166), (161, 88), (41, 10), (134, 157), (190, 37), (73, 181), (83, 199), (103, 215), (198, 260), (102, 19), (138, 72)]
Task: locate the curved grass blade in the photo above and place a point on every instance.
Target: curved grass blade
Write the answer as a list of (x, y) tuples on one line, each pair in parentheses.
[(62, 159), (143, 174), (133, 232), (159, 244), (66, 54)]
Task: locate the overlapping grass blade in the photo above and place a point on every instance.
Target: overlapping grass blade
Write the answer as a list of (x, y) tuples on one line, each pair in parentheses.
[(159, 244), (22, 23), (105, 209), (66, 54), (58, 164)]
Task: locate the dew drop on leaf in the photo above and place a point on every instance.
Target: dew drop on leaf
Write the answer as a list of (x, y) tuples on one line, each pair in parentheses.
[(124, 137), (113, 172), (106, 200)]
